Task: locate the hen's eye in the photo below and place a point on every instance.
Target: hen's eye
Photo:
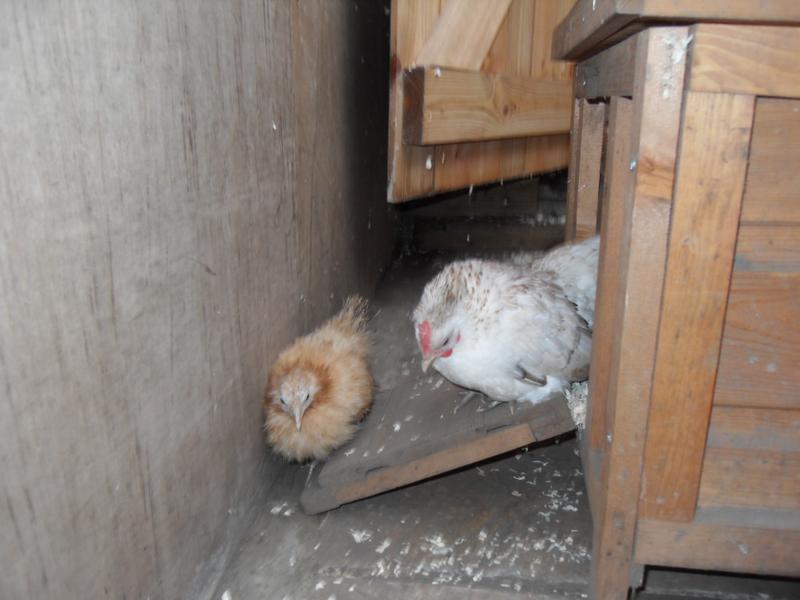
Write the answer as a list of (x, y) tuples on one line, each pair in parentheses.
[(306, 398), (282, 400), (446, 341)]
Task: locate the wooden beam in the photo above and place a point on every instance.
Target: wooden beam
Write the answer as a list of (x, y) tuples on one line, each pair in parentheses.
[(596, 24), (607, 74), (584, 177), (727, 546), (443, 106), (654, 135), (463, 34), (618, 178), (746, 60), (715, 136)]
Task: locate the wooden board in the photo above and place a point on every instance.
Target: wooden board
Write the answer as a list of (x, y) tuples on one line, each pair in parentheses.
[(583, 188), (607, 74), (715, 136), (772, 193), (719, 545), (595, 24), (746, 60), (447, 105), (419, 425), (521, 48), (654, 134)]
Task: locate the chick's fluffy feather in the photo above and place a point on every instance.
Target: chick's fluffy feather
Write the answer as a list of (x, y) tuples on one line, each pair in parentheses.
[(334, 357)]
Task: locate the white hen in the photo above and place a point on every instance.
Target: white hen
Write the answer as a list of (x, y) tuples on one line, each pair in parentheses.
[(517, 330)]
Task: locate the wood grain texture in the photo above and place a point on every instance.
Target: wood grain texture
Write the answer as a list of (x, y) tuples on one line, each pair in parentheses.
[(772, 193), (151, 233), (617, 180), (609, 73), (768, 429), (746, 59), (463, 34), (761, 341), (654, 135), (593, 25), (722, 546), (514, 52), (715, 136), (583, 188), (448, 106)]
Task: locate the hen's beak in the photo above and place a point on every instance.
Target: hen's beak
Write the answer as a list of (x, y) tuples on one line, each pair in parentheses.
[(427, 361), (298, 418)]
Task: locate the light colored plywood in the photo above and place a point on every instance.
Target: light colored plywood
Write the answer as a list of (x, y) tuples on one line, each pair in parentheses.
[(772, 193), (761, 341), (726, 546), (654, 131), (746, 59), (715, 136), (595, 24), (463, 34), (513, 52), (449, 106)]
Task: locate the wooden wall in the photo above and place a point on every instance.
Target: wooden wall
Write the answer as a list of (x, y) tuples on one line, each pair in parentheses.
[(184, 188)]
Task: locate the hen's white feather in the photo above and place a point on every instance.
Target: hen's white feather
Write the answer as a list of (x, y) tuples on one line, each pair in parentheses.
[(518, 329)]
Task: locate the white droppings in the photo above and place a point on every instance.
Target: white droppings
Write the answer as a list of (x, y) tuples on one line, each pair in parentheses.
[(226, 595), (320, 586), (383, 546), (361, 536), (482, 535), (429, 162), (632, 166), (349, 452), (438, 72), (278, 508), (772, 367), (516, 494), (396, 427), (274, 126)]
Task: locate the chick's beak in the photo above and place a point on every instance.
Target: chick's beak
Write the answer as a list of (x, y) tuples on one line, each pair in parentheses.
[(298, 417)]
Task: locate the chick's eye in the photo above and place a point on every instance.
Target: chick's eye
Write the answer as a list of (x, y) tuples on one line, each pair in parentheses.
[(282, 400)]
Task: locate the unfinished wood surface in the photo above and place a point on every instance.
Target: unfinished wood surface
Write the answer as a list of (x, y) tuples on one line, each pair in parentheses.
[(772, 192), (746, 60), (617, 181), (723, 546), (715, 136), (595, 24), (607, 74), (584, 179), (410, 168), (463, 34), (445, 106), (654, 131), (761, 341), (514, 52)]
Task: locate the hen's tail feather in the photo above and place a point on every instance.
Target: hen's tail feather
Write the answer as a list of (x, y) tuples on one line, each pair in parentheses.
[(353, 314)]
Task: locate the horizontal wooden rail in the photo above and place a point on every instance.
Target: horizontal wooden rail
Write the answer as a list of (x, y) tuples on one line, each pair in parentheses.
[(443, 106)]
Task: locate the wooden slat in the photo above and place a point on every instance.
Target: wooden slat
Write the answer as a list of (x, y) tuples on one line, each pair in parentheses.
[(593, 24), (609, 73), (408, 172), (715, 136), (760, 354), (463, 34), (584, 178), (768, 429), (772, 192), (646, 202), (617, 181), (746, 60), (718, 546), (754, 478), (448, 106), (768, 247)]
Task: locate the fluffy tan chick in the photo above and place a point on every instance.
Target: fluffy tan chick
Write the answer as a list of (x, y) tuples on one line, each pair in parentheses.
[(320, 387)]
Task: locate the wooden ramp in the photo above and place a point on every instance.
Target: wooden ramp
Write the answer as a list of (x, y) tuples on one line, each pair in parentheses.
[(421, 425)]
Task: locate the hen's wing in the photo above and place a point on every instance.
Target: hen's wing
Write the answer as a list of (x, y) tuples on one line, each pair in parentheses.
[(573, 268), (548, 336)]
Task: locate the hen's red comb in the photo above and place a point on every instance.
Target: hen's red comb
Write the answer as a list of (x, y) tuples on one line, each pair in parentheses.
[(425, 337)]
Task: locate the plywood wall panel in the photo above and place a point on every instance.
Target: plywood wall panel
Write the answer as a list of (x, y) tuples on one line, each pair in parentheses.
[(159, 241)]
